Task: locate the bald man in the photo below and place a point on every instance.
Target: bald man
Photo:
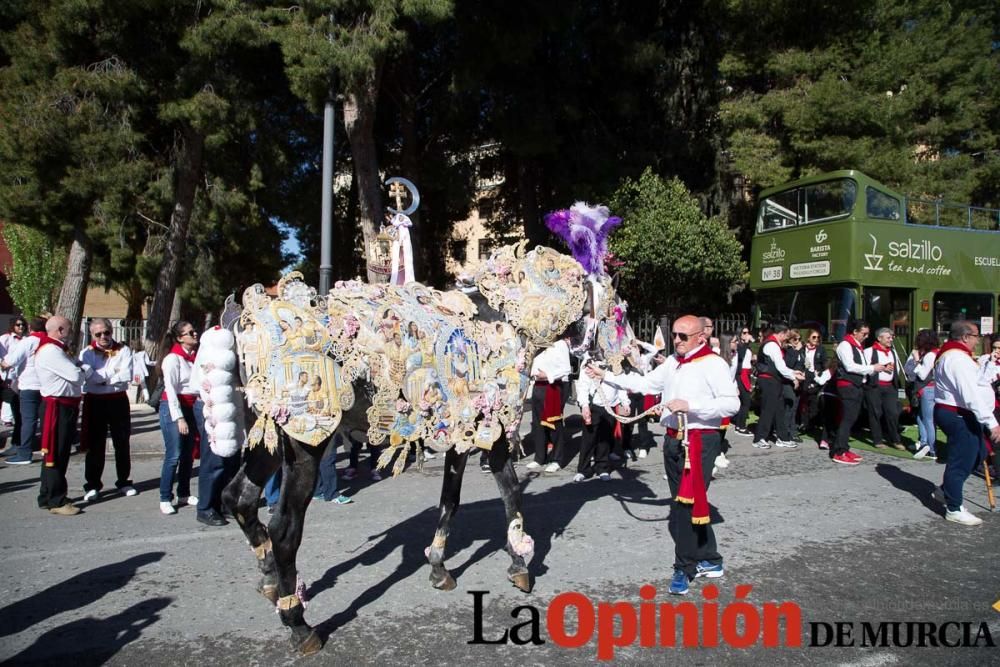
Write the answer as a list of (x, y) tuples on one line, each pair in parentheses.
[(61, 378), (695, 382)]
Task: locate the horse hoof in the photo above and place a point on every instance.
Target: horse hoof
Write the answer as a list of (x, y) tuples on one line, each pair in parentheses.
[(521, 581), (270, 592), (310, 645), (445, 584)]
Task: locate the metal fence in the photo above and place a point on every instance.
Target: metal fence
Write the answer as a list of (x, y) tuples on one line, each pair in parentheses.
[(124, 331), (644, 326)]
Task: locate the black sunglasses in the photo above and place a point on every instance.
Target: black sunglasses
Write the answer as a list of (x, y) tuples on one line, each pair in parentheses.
[(682, 336), (102, 334)]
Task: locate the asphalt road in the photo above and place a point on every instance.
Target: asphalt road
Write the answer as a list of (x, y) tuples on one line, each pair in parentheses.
[(121, 584)]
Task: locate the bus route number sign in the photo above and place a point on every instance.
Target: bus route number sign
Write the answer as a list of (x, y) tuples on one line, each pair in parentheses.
[(769, 273)]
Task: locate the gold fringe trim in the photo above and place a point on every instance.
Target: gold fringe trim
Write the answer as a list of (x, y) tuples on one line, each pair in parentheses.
[(700, 520), (288, 602), (686, 501), (261, 551)]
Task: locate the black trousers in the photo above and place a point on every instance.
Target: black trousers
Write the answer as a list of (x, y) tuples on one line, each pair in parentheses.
[(104, 414), (595, 442), (740, 419), (883, 411), (540, 434), (771, 409), (52, 492), (850, 403), (692, 543)]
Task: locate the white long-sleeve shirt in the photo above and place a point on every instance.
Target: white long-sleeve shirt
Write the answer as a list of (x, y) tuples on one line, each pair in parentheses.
[(873, 356), (773, 352), (604, 394), (553, 361), (112, 374), (705, 383), (845, 355), (21, 358), (58, 373), (957, 383), (176, 380)]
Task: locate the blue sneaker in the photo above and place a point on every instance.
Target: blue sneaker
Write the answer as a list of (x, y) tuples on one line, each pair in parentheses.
[(342, 500), (19, 460), (679, 584), (706, 569)]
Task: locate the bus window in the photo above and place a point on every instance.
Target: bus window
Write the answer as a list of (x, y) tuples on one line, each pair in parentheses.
[(951, 306), (779, 210), (830, 200), (880, 205), (827, 309)]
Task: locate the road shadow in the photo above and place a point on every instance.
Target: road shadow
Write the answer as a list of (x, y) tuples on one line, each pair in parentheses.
[(93, 641), (73, 593), (918, 487), (16, 485), (547, 515)]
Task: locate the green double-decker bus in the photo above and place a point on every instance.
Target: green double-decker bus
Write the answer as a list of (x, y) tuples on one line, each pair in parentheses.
[(840, 245)]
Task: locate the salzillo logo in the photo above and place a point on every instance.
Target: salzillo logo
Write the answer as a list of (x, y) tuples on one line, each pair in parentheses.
[(873, 261), (821, 236), (775, 254)]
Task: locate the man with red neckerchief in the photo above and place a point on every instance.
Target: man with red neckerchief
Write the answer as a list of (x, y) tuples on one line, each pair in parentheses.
[(61, 378), (851, 373), (882, 397), (772, 371), (962, 407), (106, 407), (698, 383)]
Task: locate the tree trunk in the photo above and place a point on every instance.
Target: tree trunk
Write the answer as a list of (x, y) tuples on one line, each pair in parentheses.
[(527, 191), (134, 298), (359, 119), (410, 162), (188, 175), (74, 288)]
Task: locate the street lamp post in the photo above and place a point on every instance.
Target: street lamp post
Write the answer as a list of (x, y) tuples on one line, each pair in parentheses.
[(326, 224)]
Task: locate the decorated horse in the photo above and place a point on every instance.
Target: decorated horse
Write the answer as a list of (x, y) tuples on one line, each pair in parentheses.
[(407, 365)]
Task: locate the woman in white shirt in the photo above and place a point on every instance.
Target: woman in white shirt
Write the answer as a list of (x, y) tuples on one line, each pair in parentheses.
[(919, 368), (178, 421)]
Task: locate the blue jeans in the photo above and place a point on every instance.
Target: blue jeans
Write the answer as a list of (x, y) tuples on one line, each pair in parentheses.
[(925, 420), (273, 488), (31, 406), (177, 454), (966, 451), (326, 482), (214, 471)]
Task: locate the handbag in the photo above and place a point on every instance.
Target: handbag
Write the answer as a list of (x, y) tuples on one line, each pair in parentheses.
[(154, 399)]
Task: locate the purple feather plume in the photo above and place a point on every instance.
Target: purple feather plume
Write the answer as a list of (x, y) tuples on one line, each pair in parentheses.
[(585, 229)]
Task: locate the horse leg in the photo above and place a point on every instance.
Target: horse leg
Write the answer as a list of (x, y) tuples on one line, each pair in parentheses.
[(519, 544), (241, 497), (298, 482), (451, 492)]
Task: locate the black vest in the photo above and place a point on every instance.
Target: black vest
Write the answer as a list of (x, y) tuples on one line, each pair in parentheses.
[(857, 379), (765, 366)]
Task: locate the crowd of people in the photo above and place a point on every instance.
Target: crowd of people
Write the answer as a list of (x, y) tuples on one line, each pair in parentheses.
[(705, 386)]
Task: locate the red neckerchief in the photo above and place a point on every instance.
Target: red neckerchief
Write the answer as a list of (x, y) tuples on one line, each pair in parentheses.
[(110, 352), (878, 346), (853, 342), (702, 351), (45, 339), (811, 347), (15, 336), (955, 345), (179, 350)]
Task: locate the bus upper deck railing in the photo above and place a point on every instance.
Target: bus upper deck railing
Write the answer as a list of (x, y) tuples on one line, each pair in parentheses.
[(938, 213)]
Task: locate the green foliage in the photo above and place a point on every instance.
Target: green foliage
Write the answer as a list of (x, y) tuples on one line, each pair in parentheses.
[(674, 256), (36, 270)]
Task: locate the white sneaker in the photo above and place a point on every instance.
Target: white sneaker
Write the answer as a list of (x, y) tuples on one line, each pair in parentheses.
[(90, 496), (129, 491), (963, 517), (428, 455), (167, 507), (641, 453), (665, 477), (721, 461), (921, 452), (534, 465), (787, 444), (553, 467), (579, 477), (604, 477), (192, 501), (762, 444)]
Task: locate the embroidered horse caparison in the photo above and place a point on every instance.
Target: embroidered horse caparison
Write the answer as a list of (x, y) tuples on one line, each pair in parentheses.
[(405, 364)]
